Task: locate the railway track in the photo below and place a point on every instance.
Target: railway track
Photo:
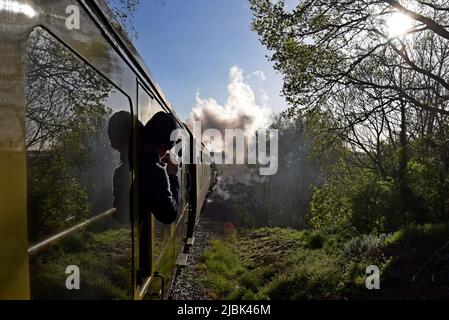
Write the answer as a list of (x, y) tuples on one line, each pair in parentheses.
[(187, 285)]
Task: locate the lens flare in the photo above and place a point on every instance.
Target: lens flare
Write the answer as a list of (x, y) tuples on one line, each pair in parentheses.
[(17, 7), (398, 24)]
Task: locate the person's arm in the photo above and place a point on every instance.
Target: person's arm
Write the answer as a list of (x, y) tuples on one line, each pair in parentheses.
[(166, 196), (174, 186)]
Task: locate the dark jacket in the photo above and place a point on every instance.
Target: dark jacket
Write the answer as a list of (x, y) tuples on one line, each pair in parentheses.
[(122, 184), (158, 194), (158, 191)]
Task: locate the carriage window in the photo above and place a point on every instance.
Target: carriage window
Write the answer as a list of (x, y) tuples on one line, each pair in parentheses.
[(78, 128), (148, 107), (185, 183)]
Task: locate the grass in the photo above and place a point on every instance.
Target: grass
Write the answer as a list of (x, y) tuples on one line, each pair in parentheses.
[(306, 274), (286, 264), (223, 267), (104, 262)]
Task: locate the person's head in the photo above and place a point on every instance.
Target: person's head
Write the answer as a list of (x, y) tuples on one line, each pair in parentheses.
[(119, 130), (158, 131)]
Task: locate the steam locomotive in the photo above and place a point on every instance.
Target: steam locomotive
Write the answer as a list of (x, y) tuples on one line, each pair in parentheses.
[(61, 82)]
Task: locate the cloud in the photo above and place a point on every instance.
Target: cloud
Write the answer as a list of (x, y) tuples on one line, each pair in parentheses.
[(264, 97), (260, 75), (240, 110)]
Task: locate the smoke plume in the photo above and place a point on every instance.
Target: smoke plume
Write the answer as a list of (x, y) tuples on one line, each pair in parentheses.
[(240, 110)]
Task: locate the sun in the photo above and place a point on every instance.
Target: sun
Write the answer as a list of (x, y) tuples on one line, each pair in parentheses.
[(398, 24)]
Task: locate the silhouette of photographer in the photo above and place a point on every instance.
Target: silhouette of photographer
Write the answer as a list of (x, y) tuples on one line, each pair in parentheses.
[(119, 132), (158, 175), (158, 181)]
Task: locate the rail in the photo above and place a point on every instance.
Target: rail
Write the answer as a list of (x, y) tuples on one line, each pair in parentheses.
[(52, 240)]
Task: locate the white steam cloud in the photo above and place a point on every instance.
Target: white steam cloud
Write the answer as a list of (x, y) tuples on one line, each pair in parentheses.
[(259, 74), (240, 110)]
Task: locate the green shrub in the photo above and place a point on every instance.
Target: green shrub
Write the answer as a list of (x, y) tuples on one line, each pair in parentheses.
[(319, 265), (307, 275), (373, 203), (363, 245), (104, 260), (362, 202), (221, 266), (330, 209), (315, 241), (245, 294), (429, 182), (428, 235)]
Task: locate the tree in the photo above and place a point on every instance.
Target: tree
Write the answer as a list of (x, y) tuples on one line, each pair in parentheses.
[(124, 11), (66, 115), (58, 89), (386, 90), (323, 47)]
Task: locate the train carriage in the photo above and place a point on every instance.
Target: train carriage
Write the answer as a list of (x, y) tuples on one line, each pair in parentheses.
[(68, 196)]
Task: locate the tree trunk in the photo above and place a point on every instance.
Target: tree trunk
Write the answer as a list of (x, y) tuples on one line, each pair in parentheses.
[(403, 162)]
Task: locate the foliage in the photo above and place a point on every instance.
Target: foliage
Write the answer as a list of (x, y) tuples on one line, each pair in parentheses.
[(65, 136), (372, 203), (330, 49), (429, 181), (306, 155), (124, 11), (330, 210), (311, 275), (364, 165), (336, 270), (285, 264), (363, 245), (381, 101), (364, 201), (61, 92), (223, 266), (103, 258)]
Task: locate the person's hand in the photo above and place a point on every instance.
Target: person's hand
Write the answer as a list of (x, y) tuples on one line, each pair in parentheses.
[(172, 168)]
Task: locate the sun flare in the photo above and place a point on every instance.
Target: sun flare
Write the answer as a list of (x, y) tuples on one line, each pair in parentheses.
[(398, 24)]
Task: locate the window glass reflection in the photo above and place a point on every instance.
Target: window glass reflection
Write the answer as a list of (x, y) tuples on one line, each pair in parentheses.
[(78, 128), (148, 107)]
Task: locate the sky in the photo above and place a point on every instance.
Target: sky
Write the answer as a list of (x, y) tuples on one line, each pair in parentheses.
[(194, 48)]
